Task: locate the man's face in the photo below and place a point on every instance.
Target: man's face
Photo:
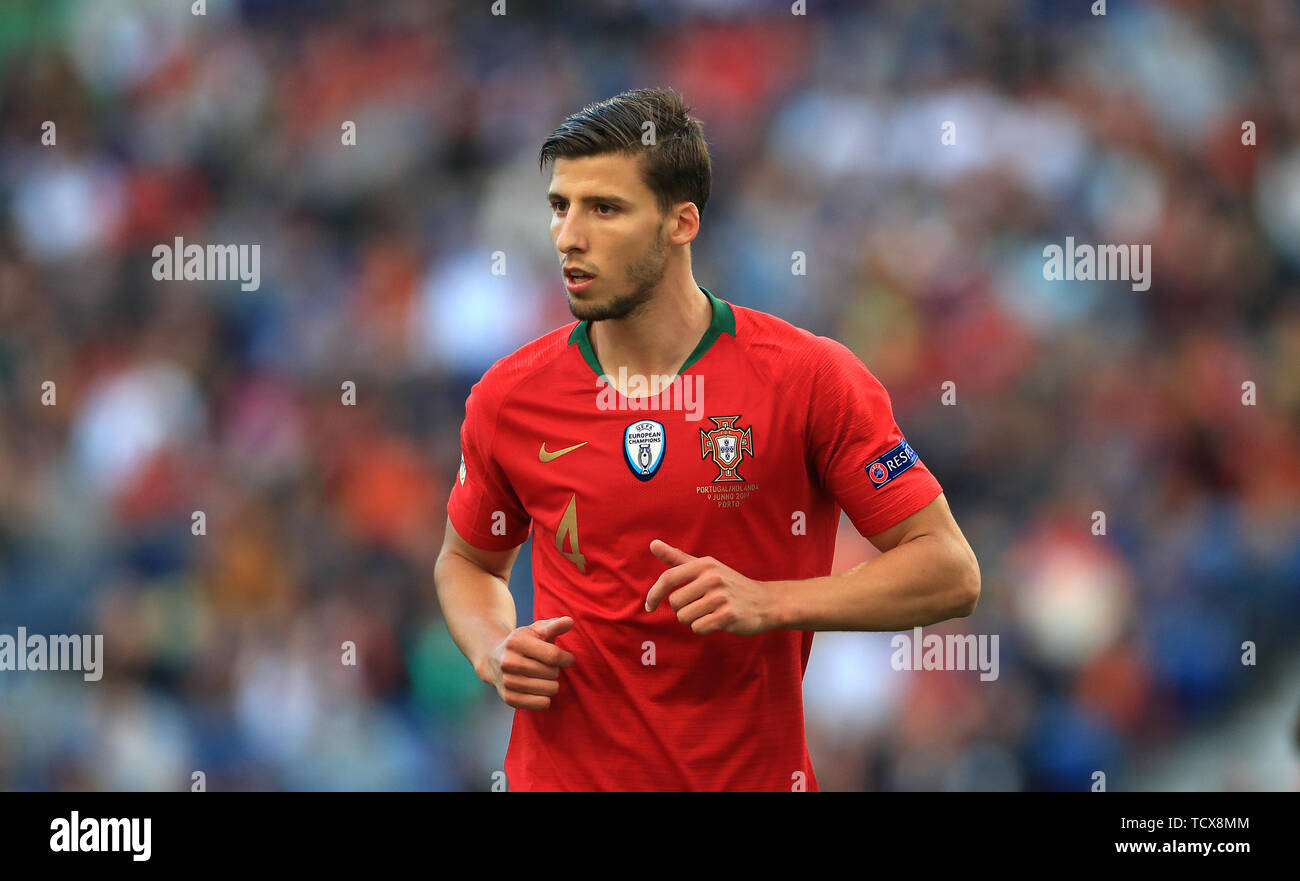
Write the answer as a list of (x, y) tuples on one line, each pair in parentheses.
[(606, 222)]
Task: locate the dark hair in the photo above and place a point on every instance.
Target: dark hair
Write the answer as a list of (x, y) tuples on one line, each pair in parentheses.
[(676, 166)]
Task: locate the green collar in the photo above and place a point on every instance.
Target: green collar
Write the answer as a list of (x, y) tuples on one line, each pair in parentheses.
[(723, 320)]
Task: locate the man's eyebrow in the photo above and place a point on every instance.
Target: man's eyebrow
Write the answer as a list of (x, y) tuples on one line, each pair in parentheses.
[(590, 200)]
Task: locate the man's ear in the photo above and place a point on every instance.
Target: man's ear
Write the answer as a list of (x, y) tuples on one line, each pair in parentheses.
[(686, 217)]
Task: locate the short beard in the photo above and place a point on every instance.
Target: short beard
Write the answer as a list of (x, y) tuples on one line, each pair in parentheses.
[(643, 276)]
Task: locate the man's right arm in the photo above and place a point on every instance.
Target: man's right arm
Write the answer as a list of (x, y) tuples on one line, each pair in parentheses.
[(473, 587), (522, 663)]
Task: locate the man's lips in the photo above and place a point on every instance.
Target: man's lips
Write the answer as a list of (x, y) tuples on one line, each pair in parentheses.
[(577, 283), (577, 279)]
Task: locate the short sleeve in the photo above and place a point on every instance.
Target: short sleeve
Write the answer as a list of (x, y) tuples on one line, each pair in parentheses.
[(857, 449), (483, 506)]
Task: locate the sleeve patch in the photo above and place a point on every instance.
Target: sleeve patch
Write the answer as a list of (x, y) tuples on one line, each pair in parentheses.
[(892, 463)]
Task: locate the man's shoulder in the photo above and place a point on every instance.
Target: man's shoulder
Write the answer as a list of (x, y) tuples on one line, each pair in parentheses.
[(525, 362), (772, 339)]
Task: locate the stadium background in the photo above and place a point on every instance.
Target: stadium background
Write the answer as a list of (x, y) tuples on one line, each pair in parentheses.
[(1118, 653)]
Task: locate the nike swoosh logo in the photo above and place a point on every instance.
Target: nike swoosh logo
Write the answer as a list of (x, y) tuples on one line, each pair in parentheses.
[(547, 457)]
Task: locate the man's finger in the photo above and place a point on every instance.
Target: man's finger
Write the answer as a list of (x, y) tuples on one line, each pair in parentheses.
[(687, 613), (549, 628), (714, 622), (669, 554), (540, 650), (687, 594), (527, 701), (672, 579), (523, 666), (528, 685)]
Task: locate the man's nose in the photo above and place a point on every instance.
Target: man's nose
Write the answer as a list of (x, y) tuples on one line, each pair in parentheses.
[(571, 236)]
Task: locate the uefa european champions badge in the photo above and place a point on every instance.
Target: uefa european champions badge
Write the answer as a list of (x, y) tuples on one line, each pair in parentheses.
[(643, 447)]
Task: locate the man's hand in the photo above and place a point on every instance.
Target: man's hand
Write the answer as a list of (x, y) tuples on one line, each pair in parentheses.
[(525, 666), (708, 595)]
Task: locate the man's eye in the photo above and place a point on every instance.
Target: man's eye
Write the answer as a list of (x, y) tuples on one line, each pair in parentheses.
[(611, 208)]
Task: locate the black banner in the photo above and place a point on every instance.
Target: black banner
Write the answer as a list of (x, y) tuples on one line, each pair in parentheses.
[(229, 831)]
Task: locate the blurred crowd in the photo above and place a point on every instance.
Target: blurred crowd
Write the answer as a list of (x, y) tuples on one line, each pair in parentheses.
[(1174, 411)]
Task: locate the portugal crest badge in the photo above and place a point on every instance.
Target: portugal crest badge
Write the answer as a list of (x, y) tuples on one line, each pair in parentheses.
[(728, 446)]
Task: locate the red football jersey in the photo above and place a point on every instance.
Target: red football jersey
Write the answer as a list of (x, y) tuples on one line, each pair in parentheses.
[(748, 457)]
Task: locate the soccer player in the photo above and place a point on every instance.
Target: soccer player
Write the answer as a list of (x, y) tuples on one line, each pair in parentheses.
[(681, 463)]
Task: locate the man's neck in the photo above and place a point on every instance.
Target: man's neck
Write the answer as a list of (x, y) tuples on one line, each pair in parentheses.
[(658, 339)]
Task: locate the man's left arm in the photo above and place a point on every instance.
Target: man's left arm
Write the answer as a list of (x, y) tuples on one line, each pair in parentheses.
[(926, 573)]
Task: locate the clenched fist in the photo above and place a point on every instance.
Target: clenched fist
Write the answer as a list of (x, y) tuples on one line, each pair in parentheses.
[(525, 666)]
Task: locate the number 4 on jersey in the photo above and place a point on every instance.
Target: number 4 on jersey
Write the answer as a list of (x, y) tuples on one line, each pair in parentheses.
[(569, 527)]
